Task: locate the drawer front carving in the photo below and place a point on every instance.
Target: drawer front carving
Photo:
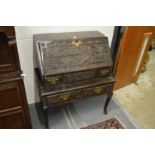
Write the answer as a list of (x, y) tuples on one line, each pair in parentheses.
[(65, 97), (59, 98), (97, 90), (79, 78), (76, 94)]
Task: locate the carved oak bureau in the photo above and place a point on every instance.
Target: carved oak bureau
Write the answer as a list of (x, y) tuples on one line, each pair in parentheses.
[(71, 66)]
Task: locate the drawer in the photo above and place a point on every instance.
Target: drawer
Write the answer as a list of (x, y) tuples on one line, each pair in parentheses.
[(71, 78), (10, 95), (62, 98), (97, 90), (66, 97), (12, 120)]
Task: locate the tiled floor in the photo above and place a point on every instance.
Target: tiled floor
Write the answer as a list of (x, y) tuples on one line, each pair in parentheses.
[(80, 114)]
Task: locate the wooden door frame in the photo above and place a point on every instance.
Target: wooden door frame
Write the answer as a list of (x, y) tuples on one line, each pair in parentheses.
[(115, 45)]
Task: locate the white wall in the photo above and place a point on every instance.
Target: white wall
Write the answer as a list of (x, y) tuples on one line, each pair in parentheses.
[(24, 36)]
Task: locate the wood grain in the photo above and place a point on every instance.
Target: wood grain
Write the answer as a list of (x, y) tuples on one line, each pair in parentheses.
[(14, 113), (128, 53)]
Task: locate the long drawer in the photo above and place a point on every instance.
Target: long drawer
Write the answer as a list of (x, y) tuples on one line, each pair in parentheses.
[(65, 97), (74, 79)]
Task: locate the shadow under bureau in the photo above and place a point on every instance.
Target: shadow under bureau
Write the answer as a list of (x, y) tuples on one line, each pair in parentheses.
[(72, 66)]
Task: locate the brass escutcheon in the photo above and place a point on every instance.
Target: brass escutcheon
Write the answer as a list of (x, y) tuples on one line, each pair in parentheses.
[(76, 43), (103, 71), (65, 97), (98, 90), (53, 80)]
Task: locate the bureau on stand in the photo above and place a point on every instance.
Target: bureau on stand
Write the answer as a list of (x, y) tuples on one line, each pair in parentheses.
[(72, 66)]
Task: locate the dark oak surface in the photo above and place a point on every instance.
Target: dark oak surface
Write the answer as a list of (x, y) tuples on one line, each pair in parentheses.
[(14, 113), (72, 66), (62, 53), (9, 60)]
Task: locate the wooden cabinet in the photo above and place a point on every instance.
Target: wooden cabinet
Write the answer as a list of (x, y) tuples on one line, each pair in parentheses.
[(8, 51), (12, 120), (13, 103)]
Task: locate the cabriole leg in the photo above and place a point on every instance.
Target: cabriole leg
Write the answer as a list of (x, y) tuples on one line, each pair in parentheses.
[(109, 95), (45, 109)]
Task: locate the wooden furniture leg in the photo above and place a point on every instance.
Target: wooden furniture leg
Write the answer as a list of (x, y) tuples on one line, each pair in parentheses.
[(109, 95), (45, 109)]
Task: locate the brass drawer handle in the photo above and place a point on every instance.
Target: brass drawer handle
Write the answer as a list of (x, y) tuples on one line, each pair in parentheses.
[(98, 90), (103, 71), (65, 97), (76, 43), (53, 80)]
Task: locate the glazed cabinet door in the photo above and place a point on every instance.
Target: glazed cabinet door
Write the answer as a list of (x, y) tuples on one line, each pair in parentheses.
[(8, 50), (13, 106)]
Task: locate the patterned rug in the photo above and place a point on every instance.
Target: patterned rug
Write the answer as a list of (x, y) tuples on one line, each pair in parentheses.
[(112, 123)]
